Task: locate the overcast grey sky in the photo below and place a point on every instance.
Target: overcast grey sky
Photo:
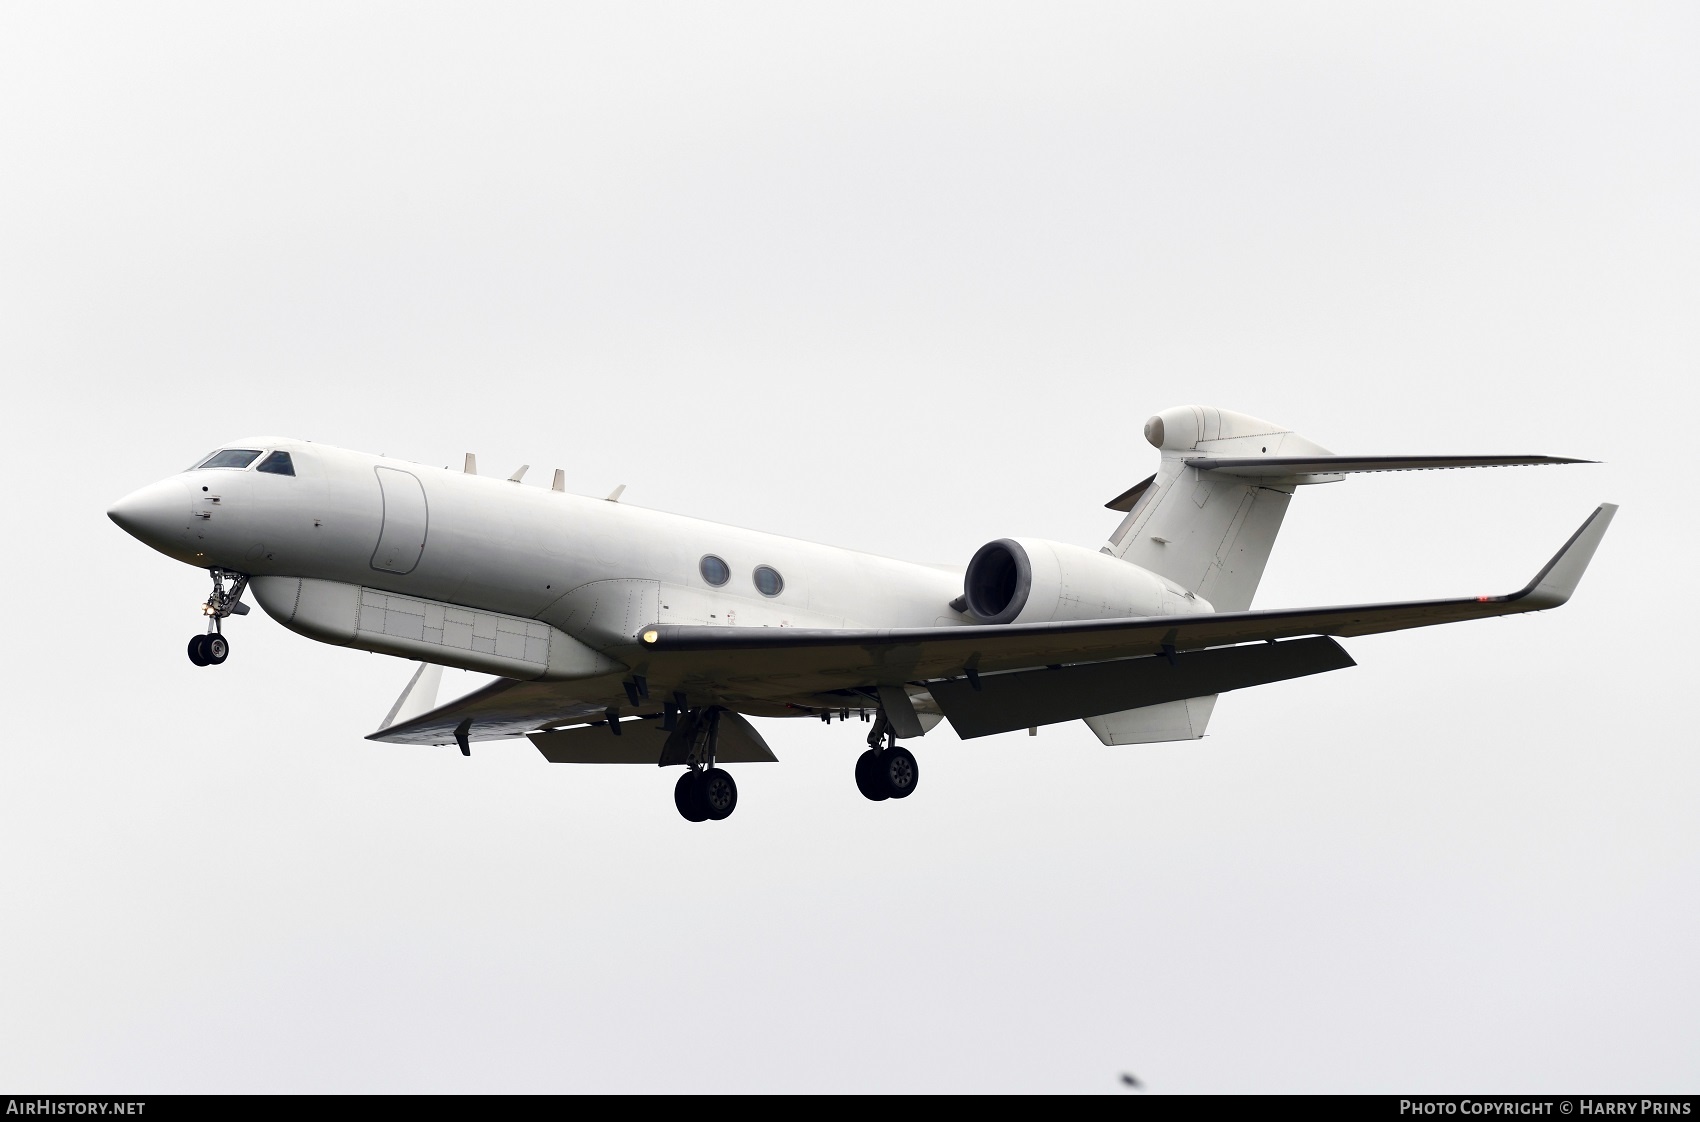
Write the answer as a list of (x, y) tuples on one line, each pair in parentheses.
[(907, 278)]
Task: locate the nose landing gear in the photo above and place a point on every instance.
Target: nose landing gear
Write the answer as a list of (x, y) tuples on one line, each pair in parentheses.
[(208, 650), (213, 648)]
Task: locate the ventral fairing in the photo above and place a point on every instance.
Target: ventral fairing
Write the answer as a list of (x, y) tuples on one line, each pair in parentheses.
[(625, 635)]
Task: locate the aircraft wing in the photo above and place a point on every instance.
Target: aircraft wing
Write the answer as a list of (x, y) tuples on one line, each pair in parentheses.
[(801, 659), (781, 662)]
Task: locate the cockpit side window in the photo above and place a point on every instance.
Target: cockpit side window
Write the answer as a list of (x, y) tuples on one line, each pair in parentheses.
[(278, 463), (230, 458)]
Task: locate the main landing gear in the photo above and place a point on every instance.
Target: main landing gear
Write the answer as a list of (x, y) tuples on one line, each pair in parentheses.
[(704, 793), (213, 648), (887, 770), (707, 795)]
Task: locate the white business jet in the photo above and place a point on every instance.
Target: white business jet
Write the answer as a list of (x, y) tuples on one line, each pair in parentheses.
[(624, 635)]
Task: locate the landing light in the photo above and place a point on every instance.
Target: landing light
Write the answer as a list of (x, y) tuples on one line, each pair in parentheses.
[(651, 636)]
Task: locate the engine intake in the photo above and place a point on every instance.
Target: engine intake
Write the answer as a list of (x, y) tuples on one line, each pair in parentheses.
[(1029, 580), (998, 581)]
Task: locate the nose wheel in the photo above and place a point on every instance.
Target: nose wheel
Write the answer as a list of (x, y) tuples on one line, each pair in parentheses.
[(213, 648), (209, 650)]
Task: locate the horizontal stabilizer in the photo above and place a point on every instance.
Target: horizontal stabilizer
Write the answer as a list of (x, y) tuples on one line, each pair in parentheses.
[(1006, 702), (1124, 501), (1282, 467)]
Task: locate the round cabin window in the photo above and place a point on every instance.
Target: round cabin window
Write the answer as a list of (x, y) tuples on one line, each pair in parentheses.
[(714, 570), (768, 580)]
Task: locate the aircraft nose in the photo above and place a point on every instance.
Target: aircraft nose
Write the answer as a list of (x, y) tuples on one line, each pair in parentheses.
[(157, 514)]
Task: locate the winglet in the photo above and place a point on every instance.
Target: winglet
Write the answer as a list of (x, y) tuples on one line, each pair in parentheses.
[(418, 698), (1553, 585)]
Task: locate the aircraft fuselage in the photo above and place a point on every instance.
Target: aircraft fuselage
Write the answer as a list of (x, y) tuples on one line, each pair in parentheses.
[(624, 635), (346, 525)]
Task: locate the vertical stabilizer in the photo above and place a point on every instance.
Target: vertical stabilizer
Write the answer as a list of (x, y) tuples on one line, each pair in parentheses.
[(1208, 533)]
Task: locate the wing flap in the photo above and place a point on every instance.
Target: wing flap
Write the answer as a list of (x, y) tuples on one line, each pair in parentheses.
[(1025, 698), (501, 710), (641, 741)]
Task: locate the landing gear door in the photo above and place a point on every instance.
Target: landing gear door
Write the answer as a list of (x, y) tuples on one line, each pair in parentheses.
[(401, 541)]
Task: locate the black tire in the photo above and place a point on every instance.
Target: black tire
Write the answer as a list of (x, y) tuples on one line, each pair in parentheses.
[(687, 796), (867, 778), (719, 794), (898, 771), (215, 648), (197, 651)]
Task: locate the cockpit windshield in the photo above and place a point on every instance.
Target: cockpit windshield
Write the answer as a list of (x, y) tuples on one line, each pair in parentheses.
[(229, 458), (278, 463)]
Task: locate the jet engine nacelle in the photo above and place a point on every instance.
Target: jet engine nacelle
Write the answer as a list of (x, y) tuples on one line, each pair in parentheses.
[(1030, 580)]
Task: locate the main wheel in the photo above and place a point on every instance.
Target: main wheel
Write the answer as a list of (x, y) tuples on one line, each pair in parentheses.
[(867, 778), (197, 650), (215, 647), (898, 771), (719, 794), (688, 796)]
